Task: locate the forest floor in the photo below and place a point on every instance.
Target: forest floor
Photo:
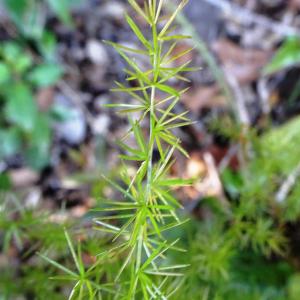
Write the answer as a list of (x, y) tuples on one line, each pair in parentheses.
[(229, 98)]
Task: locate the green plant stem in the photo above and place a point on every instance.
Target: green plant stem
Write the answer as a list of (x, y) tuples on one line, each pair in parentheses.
[(149, 167), (147, 199), (150, 145)]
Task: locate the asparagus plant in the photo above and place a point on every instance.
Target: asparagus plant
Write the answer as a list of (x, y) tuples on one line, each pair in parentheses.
[(148, 208)]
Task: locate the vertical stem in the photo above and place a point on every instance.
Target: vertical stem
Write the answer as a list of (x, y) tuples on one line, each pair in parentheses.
[(150, 146), (155, 62), (138, 258)]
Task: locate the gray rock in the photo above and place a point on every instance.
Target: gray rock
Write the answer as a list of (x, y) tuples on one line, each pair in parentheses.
[(96, 52), (73, 128), (114, 10), (206, 18), (101, 124)]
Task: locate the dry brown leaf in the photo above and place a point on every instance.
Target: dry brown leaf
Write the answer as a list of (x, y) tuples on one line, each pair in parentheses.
[(203, 97), (23, 178), (244, 64), (202, 167)]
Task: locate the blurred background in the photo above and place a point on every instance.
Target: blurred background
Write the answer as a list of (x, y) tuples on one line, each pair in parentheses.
[(57, 138)]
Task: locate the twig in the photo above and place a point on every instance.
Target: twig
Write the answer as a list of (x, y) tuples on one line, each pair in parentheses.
[(287, 185), (214, 179), (240, 103), (264, 94), (247, 18), (233, 150)]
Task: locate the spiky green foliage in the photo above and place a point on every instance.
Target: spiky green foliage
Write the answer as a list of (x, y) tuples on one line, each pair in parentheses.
[(85, 286), (147, 208)]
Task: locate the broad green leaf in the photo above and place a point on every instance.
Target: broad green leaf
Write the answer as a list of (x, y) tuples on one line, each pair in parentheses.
[(20, 108), (22, 63), (47, 45), (45, 75), (62, 9), (16, 8), (10, 51), (18, 59), (28, 16), (10, 142), (40, 140), (5, 182), (60, 113), (294, 287), (4, 73), (287, 56)]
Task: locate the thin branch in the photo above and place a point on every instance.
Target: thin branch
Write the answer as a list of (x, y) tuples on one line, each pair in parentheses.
[(240, 103), (287, 185)]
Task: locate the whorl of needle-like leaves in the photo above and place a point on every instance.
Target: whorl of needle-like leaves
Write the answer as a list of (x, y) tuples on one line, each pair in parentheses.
[(148, 209)]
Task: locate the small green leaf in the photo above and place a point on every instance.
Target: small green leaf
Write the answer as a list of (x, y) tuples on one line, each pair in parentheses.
[(16, 57), (133, 158), (45, 75), (20, 108), (5, 182), (60, 113), (37, 155), (10, 142), (288, 55), (137, 130), (16, 8), (4, 73), (62, 9), (167, 89), (47, 45), (175, 182), (22, 63), (294, 287), (10, 51)]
